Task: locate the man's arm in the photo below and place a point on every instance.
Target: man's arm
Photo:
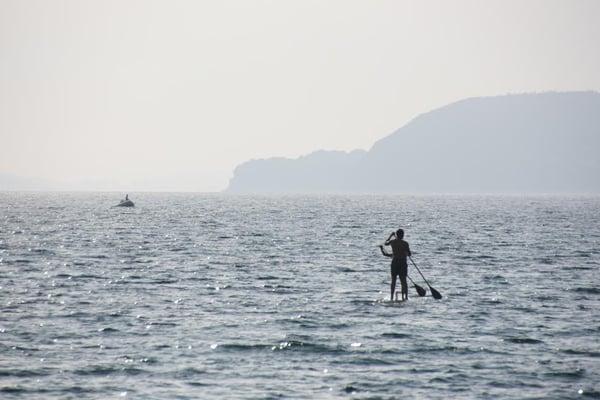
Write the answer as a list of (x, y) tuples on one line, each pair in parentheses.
[(389, 239), (408, 250), (384, 252)]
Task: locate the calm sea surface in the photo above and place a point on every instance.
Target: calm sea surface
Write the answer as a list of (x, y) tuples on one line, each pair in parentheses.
[(213, 296)]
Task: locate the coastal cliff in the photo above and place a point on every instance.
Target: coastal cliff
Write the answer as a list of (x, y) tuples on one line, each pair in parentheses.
[(526, 143)]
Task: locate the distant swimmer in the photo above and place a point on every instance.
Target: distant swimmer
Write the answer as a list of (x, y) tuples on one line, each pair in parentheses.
[(126, 197), (400, 251)]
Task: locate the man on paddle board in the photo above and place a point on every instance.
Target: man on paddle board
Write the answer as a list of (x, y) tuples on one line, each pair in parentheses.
[(400, 251)]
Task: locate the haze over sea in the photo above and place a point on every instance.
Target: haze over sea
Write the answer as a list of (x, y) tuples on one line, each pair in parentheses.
[(212, 296)]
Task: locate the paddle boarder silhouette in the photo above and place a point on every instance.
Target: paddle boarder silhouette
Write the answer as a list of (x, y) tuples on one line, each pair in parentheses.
[(399, 266)]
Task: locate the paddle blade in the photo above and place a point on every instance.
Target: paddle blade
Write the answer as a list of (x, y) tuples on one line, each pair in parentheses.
[(422, 292), (436, 295)]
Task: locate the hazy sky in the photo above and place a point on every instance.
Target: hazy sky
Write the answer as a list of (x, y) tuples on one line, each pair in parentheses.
[(172, 95)]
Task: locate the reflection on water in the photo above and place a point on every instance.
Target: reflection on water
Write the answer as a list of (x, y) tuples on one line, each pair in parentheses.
[(254, 297)]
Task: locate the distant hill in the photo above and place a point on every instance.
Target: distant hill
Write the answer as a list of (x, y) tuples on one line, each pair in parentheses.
[(526, 143)]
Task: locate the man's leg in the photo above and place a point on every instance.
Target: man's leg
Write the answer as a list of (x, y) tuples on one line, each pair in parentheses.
[(404, 287), (403, 283), (393, 287)]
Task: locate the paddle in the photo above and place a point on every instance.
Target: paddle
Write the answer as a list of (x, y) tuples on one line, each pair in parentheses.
[(436, 295), (422, 292)]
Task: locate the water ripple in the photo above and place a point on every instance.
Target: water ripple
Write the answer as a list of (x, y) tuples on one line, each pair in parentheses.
[(209, 296)]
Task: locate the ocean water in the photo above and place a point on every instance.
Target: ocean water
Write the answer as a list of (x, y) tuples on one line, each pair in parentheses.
[(192, 296)]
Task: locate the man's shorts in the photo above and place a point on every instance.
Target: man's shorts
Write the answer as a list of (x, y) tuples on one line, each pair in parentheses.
[(399, 267)]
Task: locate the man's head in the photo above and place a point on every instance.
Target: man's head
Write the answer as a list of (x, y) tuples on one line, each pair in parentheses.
[(400, 234)]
